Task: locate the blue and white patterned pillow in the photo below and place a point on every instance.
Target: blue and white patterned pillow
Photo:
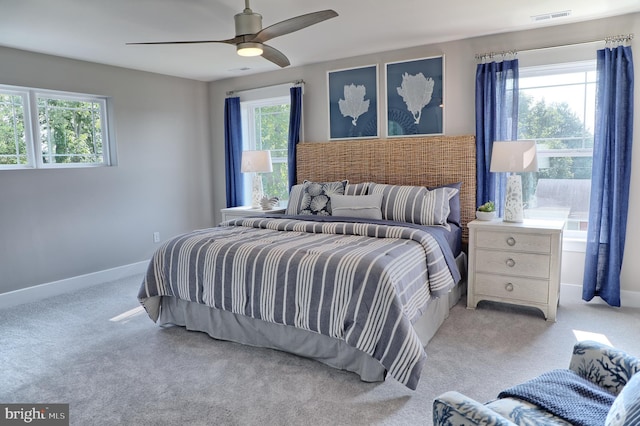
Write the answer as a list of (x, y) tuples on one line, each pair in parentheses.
[(414, 204), (625, 410)]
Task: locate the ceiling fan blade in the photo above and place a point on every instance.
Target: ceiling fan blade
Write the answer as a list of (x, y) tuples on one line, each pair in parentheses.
[(228, 41), (293, 24), (275, 56)]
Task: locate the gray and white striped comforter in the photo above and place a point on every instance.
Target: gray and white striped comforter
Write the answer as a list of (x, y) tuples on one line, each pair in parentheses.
[(362, 283)]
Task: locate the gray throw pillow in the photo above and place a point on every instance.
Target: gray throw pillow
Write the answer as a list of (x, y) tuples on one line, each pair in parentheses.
[(359, 206)]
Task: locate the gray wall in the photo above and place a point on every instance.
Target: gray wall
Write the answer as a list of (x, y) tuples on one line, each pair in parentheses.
[(460, 66), (56, 224)]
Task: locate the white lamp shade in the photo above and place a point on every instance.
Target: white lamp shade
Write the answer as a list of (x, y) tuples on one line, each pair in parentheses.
[(514, 156), (256, 161)]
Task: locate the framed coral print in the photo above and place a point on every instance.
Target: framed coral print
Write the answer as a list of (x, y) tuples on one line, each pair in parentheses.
[(353, 103), (415, 97)]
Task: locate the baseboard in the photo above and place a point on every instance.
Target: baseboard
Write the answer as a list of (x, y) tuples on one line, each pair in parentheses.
[(54, 288), (573, 292)]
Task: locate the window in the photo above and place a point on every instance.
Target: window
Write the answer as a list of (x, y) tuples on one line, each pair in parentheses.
[(557, 109), (265, 126), (46, 129)]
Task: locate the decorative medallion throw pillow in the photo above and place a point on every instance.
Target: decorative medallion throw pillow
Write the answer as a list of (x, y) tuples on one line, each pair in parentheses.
[(316, 197)]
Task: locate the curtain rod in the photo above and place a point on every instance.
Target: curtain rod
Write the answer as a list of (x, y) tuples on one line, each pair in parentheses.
[(294, 83), (612, 39)]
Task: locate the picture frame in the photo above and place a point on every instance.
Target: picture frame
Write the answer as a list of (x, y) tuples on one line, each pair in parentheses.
[(415, 97), (353, 103)]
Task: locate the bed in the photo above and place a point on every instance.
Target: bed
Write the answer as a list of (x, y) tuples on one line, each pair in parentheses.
[(358, 293)]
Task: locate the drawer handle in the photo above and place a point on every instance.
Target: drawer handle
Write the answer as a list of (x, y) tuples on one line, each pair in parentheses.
[(509, 287), (510, 263), (511, 241)]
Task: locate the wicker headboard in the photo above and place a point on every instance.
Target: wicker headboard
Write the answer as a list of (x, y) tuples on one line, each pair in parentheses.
[(426, 161)]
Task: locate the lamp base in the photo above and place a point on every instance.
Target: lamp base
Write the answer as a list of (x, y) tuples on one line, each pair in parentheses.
[(513, 211), (257, 191)]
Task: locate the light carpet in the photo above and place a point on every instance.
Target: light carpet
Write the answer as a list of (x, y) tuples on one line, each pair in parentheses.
[(129, 371)]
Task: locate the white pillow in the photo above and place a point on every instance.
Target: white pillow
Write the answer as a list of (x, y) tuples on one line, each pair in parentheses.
[(360, 206)]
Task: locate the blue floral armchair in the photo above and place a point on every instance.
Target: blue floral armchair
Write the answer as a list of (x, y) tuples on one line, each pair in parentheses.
[(610, 369)]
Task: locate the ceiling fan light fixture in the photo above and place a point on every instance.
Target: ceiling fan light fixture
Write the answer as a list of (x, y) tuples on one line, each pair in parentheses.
[(249, 49)]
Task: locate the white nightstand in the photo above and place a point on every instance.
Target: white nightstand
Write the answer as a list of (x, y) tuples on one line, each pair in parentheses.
[(516, 263), (244, 211)]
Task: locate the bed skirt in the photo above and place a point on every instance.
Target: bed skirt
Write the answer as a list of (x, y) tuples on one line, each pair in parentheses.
[(224, 325)]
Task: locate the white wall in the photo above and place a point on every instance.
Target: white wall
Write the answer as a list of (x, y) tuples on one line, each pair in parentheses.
[(57, 224), (460, 66)]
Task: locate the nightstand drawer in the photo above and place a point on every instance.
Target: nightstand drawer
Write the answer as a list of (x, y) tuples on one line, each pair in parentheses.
[(513, 241), (512, 263), (522, 289)]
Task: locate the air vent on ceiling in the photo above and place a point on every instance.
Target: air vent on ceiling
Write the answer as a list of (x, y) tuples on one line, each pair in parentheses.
[(552, 15)]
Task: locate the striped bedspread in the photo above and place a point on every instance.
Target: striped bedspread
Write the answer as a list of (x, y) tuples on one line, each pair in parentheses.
[(360, 282)]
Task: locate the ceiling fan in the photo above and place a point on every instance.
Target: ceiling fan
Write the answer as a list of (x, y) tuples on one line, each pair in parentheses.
[(250, 36)]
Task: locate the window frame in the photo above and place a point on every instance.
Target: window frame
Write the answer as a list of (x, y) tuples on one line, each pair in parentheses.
[(33, 135)]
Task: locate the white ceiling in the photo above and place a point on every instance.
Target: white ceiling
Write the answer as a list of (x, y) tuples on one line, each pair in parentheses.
[(97, 30)]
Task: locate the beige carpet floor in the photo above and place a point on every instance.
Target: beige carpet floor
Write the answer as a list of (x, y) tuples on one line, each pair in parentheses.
[(128, 371)]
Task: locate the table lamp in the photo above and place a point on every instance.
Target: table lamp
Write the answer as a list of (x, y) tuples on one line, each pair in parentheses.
[(514, 157), (256, 162)]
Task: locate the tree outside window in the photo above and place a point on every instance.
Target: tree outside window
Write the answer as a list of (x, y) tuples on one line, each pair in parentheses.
[(52, 129)]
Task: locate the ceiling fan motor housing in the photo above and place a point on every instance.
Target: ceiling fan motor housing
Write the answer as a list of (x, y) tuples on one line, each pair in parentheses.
[(248, 23)]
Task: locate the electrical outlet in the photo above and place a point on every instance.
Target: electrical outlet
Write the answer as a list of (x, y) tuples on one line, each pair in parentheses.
[(156, 237)]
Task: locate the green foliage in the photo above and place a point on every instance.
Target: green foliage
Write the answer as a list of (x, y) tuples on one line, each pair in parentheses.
[(13, 147), (272, 129), (489, 206), (70, 131)]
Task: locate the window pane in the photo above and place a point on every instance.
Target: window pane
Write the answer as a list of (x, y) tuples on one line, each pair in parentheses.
[(13, 145), (268, 129), (275, 183), (70, 131), (557, 111), (272, 126)]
